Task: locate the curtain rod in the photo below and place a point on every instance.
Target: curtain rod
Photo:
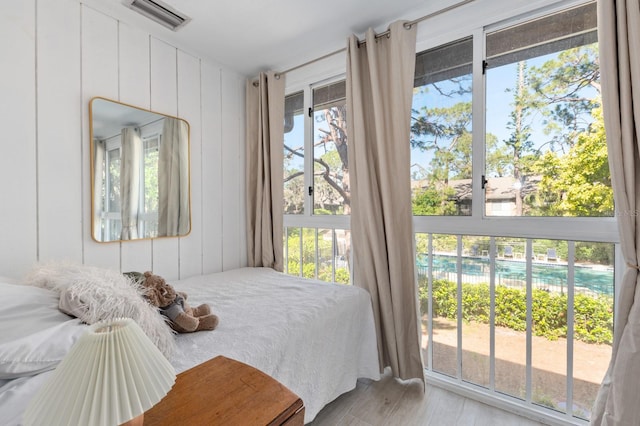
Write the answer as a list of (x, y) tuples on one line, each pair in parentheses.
[(383, 34)]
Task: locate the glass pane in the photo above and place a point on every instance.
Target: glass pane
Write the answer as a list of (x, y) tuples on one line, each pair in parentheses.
[(546, 151), (510, 317), (293, 249), (475, 310), (593, 322), (325, 254), (113, 228), (331, 192), (342, 256), (309, 250), (549, 314), (294, 190), (422, 269), (148, 222), (441, 131), (151, 175), (445, 304)]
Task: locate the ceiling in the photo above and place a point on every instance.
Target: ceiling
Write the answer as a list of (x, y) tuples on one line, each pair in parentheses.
[(251, 36)]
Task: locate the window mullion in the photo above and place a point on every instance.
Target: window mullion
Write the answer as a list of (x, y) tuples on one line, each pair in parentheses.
[(460, 312), (308, 151), (478, 125), (570, 323)]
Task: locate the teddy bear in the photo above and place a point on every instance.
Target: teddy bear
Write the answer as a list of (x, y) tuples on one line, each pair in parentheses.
[(173, 305)]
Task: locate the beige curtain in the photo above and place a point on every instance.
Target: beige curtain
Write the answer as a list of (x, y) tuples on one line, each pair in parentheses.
[(618, 401), (264, 195), (131, 146), (173, 179), (379, 95)]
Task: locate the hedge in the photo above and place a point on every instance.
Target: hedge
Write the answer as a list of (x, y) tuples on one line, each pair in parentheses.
[(593, 315)]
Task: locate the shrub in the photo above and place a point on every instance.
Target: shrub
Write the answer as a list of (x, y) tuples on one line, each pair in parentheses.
[(593, 319)]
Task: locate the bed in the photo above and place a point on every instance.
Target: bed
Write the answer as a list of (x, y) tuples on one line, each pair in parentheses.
[(315, 338)]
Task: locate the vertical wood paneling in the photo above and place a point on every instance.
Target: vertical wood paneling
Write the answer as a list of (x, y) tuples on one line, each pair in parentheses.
[(18, 227), (164, 99), (99, 78), (134, 90), (189, 109), (232, 171), (60, 142), (211, 162), (79, 52)]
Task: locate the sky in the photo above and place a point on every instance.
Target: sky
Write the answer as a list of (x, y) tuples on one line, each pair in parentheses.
[(498, 107)]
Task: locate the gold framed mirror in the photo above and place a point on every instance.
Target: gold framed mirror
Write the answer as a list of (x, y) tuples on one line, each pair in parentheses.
[(140, 173)]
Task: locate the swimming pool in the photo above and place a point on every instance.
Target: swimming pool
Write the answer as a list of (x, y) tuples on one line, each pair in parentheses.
[(544, 275)]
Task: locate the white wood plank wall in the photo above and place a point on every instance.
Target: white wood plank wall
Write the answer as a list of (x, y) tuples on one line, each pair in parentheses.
[(56, 57)]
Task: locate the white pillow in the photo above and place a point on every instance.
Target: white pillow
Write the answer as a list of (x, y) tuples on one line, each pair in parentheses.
[(105, 294), (35, 334)]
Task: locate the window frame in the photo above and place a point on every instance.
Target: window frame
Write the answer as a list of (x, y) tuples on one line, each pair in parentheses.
[(601, 229), (492, 17), (308, 219)]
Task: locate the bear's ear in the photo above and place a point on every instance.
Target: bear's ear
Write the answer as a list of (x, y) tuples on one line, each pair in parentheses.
[(148, 274)]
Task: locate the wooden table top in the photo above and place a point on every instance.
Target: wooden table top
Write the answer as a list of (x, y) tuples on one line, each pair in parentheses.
[(223, 391)]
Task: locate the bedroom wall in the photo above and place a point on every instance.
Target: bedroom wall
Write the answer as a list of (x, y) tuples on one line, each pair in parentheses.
[(56, 56)]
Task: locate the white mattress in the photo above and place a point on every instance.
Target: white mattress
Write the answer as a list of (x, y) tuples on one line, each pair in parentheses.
[(315, 338)]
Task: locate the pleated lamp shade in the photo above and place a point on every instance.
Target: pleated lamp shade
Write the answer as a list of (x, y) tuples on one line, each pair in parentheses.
[(113, 374)]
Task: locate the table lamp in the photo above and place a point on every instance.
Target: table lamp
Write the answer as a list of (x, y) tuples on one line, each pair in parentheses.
[(111, 376)]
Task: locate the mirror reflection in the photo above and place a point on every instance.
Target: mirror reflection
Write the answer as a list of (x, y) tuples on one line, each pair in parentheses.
[(139, 173)]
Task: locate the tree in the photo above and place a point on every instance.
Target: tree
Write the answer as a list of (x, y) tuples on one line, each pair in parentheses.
[(562, 92), (520, 140), (331, 169), (335, 176), (565, 89), (430, 201), (445, 132), (578, 183)]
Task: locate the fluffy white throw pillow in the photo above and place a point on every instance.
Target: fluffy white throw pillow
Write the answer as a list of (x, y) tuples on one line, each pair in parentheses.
[(102, 294)]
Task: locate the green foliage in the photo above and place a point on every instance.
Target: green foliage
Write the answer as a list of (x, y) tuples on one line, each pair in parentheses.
[(325, 264), (511, 308), (601, 253), (434, 202), (578, 183), (593, 320)]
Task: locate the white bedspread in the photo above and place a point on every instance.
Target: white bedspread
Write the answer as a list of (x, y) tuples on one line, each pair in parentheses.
[(313, 337)]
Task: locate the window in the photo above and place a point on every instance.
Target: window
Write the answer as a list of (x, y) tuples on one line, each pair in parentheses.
[(545, 145), (331, 194), (111, 216), (294, 186), (513, 211), (441, 166), (511, 306), (317, 240)]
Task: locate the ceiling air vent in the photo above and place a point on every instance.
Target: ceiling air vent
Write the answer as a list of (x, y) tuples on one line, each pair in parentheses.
[(160, 12)]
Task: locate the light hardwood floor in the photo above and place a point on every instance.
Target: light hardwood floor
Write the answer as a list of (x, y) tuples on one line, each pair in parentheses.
[(390, 402)]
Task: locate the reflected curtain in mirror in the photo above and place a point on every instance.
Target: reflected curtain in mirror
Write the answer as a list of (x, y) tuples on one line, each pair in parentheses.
[(140, 173), (131, 148), (173, 179)]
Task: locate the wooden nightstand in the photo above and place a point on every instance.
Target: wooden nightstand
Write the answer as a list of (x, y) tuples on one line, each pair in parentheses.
[(223, 391)]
